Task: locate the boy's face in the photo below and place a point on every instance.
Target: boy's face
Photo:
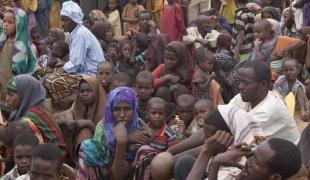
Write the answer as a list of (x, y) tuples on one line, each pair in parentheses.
[(157, 115), (112, 55), (267, 16), (22, 158), (144, 88), (290, 70), (200, 110), (86, 93), (9, 25), (104, 75), (185, 111), (41, 169), (207, 65), (112, 4)]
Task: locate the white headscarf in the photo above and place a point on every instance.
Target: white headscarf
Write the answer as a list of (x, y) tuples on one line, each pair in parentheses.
[(73, 11)]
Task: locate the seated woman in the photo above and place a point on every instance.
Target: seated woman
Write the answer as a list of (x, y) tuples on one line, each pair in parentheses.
[(88, 104), (26, 98), (111, 150), (177, 68), (226, 118)]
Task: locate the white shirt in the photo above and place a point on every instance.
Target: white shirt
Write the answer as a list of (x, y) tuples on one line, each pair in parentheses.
[(85, 52), (272, 115), (193, 33)]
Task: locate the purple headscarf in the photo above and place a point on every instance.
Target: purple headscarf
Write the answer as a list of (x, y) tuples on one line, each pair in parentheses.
[(120, 94)]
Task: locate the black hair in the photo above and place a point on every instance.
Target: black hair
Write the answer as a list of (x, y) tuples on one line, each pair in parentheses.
[(49, 152), (64, 46), (105, 62), (261, 69), (242, 1), (215, 119), (142, 40), (122, 77), (156, 100), (113, 45), (203, 55), (186, 98), (208, 102), (36, 30), (144, 12), (13, 130), (286, 160), (290, 60), (28, 139), (145, 75)]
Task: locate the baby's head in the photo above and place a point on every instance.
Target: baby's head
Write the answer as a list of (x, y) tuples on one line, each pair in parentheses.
[(263, 30), (185, 108), (23, 145), (55, 34), (290, 69), (205, 59), (156, 112), (60, 49), (144, 85)]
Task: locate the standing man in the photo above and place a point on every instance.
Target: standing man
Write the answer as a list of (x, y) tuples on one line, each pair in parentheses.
[(85, 50)]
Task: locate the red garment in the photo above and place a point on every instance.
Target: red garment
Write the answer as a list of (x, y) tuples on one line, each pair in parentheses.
[(157, 74), (172, 22)]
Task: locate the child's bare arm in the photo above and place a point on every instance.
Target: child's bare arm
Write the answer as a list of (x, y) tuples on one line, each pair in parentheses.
[(303, 103)]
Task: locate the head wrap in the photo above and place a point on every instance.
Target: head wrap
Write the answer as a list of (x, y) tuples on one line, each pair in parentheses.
[(30, 92), (97, 15), (73, 11), (12, 85), (121, 94)]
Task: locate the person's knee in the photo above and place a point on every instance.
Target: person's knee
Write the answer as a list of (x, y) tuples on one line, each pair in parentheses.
[(183, 166), (162, 166)]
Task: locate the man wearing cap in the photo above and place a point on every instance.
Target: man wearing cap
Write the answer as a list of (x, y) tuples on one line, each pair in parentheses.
[(85, 50)]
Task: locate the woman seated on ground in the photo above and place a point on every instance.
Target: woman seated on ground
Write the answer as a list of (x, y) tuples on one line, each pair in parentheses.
[(116, 139), (26, 97), (226, 118), (88, 104)]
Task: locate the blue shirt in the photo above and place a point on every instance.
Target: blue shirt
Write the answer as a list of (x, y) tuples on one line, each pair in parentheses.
[(85, 52)]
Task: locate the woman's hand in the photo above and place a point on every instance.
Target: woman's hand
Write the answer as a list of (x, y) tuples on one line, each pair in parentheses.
[(138, 137), (120, 133), (171, 78)]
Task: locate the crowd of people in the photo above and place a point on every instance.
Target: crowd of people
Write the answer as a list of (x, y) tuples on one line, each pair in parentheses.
[(155, 89)]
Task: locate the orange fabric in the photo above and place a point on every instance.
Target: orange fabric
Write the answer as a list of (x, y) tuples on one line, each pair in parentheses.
[(157, 73), (96, 110), (274, 75), (215, 93), (283, 41)]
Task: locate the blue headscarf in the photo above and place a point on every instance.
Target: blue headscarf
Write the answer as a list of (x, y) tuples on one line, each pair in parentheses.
[(121, 94)]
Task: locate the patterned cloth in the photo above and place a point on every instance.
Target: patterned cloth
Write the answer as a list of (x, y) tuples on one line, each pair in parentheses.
[(11, 175), (23, 59), (281, 85), (163, 139), (244, 22)]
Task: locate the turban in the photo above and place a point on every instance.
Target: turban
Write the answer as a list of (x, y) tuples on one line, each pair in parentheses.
[(73, 11)]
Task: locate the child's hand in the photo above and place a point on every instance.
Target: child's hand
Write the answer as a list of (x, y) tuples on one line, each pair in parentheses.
[(120, 133), (172, 78)]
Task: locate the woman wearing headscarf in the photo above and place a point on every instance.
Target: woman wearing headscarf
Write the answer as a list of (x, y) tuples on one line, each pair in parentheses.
[(15, 54), (26, 98), (77, 124), (226, 118), (177, 67), (108, 151)]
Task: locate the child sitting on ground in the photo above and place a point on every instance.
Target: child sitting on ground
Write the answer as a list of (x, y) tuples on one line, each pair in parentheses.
[(289, 83), (104, 75), (205, 87), (22, 149), (201, 108), (130, 15), (185, 115), (144, 88)]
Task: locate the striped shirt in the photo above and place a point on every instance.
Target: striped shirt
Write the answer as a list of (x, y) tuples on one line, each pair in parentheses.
[(85, 52), (163, 139), (244, 22)]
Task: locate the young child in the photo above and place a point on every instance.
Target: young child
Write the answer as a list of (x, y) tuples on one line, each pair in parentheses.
[(172, 22), (104, 75), (113, 56), (141, 45), (36, 36), (46, 161), (201, 108), (289, 83), (55, 34), (162, 137), (130, 15), (205, 87), (144, 88), (22, 147), (264, 41), (127, 59), (289, 26), (120, 79), (114, 17), (185, 115)]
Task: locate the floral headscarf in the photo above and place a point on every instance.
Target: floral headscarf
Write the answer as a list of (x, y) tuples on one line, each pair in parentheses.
[(23, 58), (121, 94)]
